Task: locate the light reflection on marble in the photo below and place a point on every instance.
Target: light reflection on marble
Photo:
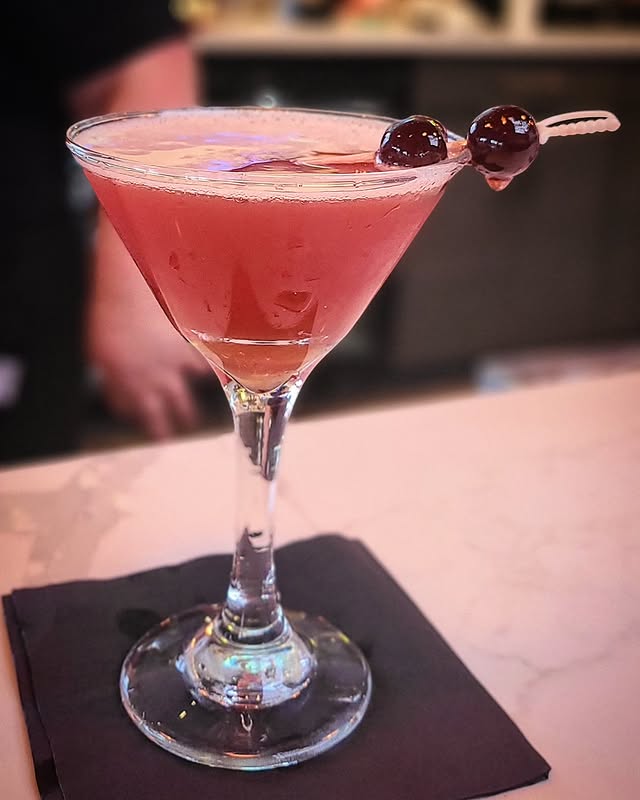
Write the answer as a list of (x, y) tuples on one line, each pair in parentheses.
[(512, 520)]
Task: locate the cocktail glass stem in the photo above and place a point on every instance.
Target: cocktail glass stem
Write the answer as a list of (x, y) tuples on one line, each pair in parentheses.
[(249, 657), (252, 613)]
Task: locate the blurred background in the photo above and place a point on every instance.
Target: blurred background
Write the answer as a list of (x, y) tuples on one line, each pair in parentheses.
[(538, 283)]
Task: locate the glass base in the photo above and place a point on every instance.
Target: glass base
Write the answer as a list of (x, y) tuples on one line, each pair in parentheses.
[(156, 696)]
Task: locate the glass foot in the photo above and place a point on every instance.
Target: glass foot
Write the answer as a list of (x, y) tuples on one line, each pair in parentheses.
[(156, 695)]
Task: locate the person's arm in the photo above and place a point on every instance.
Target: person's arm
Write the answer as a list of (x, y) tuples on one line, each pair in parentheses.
[(143, 361)]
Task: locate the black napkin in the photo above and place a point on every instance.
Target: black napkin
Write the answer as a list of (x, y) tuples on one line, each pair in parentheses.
[(431, 732)]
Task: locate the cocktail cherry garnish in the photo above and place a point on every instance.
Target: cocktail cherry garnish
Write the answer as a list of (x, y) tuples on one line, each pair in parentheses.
[(416, 141), (504, 141), (501, 142)]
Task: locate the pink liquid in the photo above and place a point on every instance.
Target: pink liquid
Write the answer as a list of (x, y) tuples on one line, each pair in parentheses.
[(264, 285)]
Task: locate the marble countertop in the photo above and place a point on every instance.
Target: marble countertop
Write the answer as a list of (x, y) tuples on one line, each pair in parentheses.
[(513, 521), (284, 39)]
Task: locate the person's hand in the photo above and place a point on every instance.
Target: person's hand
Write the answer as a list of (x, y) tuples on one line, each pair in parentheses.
[(145, 366), (143, 362)]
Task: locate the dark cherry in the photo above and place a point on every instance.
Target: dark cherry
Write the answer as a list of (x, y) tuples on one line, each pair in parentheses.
[(503, 141), (413, 142)]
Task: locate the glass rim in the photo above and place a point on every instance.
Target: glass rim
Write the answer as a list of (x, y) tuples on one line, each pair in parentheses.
[(255, 178)]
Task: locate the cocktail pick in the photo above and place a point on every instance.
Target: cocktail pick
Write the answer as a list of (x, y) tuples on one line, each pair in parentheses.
[(577, 122)]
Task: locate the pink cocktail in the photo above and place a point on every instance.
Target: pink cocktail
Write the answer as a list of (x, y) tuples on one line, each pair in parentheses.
[(263, 235), (263, 281)]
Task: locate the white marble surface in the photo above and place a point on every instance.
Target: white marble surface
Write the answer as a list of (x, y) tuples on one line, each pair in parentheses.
[(512, 520)]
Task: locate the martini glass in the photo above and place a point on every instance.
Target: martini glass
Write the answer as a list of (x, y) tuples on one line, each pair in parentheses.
[(263, 238)]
